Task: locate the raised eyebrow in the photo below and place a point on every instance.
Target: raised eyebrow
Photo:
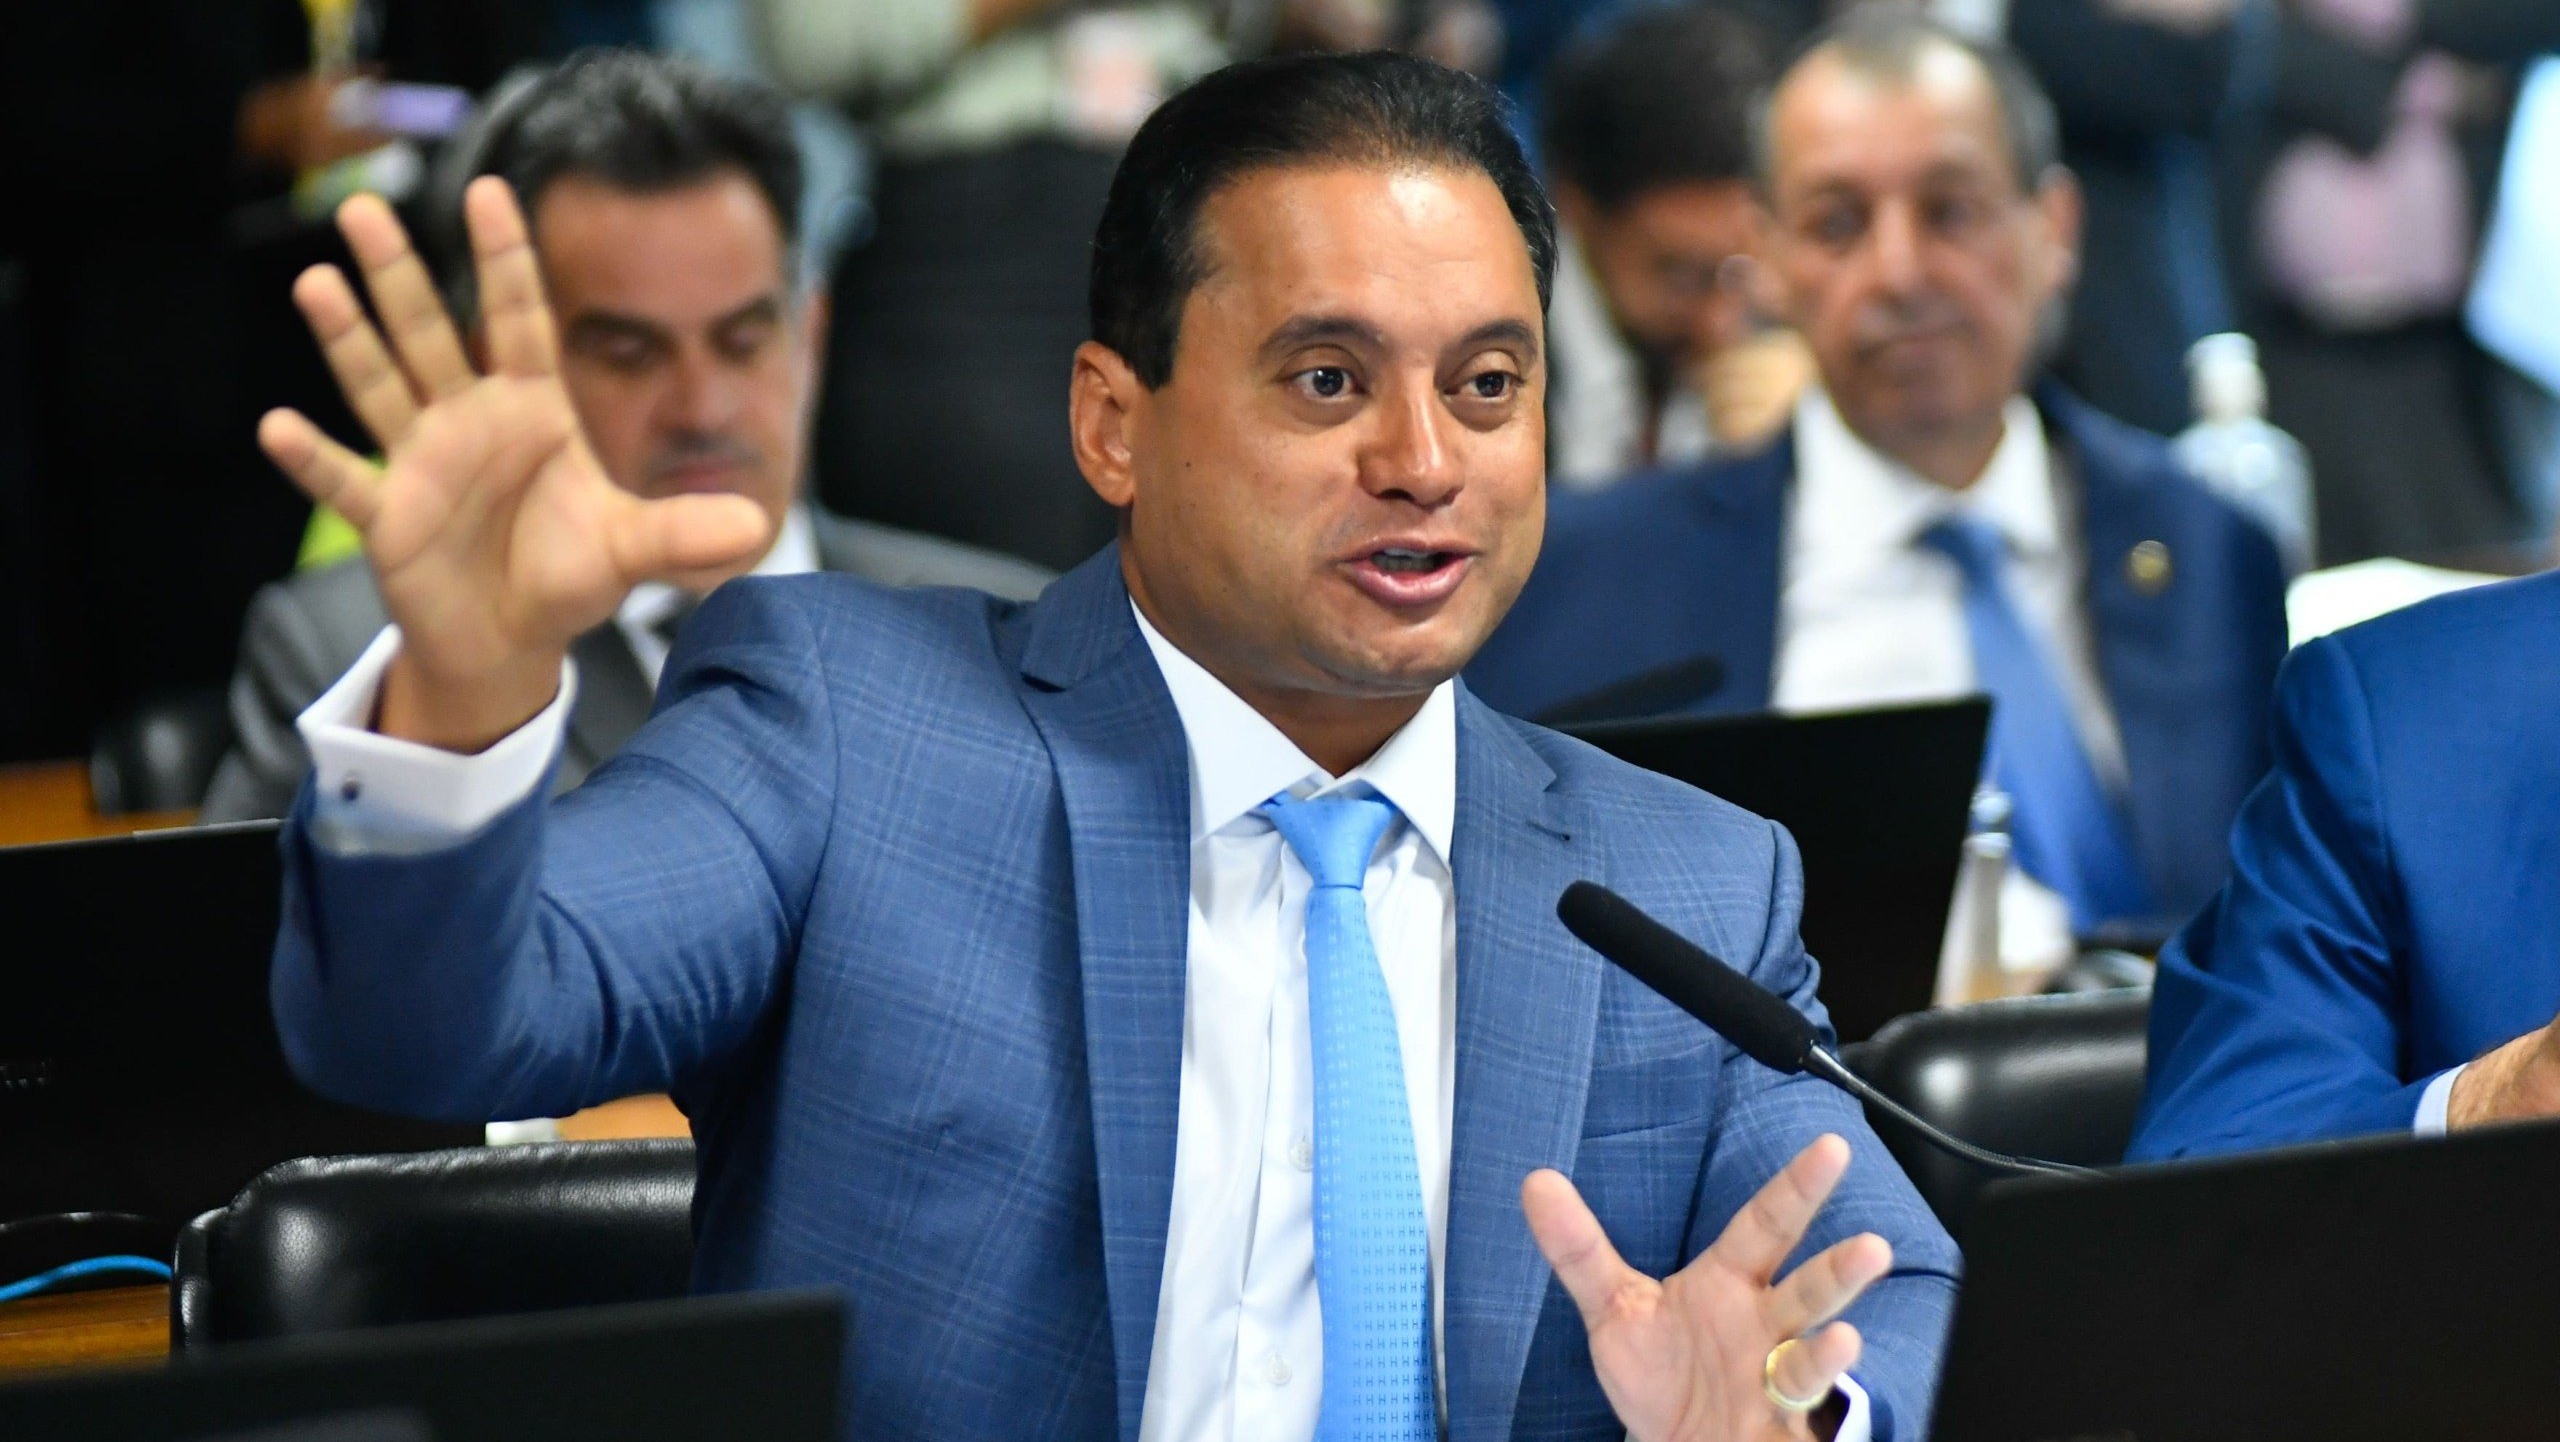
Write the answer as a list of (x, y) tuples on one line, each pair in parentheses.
[(1307, 330)]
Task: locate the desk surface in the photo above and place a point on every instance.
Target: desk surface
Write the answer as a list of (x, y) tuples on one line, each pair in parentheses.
[(84, 1329), (50, 801)]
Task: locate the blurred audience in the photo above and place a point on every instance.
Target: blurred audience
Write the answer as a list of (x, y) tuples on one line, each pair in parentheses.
[(2307, 171), (1926, 528), (1657, 352), (2363, 246), (996, 124), (664, 202)]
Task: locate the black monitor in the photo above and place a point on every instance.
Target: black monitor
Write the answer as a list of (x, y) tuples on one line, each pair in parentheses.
[(707, 1369), (1878, 801), (2392, 1288), (141, 1079)]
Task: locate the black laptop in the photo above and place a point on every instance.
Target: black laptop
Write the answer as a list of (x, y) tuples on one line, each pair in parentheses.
[(2393, 1289), (1878, 801), (141, 1079), (762, 1366)]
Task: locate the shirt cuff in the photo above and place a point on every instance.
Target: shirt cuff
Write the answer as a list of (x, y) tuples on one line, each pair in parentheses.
[(376, 793), (1859, 1424), (2434, 1102)]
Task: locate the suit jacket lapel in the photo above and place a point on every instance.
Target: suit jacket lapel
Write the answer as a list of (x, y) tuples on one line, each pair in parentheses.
[(1528, 999), (2135, 634), (614, 698), (1124, 779)]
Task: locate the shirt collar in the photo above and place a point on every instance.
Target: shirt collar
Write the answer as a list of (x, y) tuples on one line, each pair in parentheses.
[(794, 552), (1853, 497), (1239, 760)]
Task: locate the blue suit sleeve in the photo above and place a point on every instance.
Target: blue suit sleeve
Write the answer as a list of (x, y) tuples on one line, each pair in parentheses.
[(1767, 1118), (2277, 1016), (616, 941)]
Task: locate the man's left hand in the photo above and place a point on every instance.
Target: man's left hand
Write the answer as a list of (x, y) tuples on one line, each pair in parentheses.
[(1683, 1359)]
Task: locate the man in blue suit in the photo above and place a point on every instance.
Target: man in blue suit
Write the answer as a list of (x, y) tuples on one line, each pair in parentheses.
[(1147, 1004), (2387, 955), (1926, 530)]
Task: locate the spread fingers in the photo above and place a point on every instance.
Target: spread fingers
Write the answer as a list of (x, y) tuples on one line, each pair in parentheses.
[(404, 295), (372, 382), (326, 471)]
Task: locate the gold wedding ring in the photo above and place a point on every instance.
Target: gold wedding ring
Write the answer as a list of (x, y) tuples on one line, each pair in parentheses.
[(1777, 1395)]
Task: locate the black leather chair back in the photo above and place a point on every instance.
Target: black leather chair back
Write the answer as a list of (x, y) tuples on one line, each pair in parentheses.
[(330, 1243), (160, 755), (2054, 1077)]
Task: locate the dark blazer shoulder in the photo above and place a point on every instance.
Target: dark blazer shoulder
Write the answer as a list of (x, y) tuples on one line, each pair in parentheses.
[(1697, 493), (2487, 640), (894, 557), (336, 609), (2120, 463)]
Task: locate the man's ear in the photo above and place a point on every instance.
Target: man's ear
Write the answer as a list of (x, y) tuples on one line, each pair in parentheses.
[(1106, 405), (2059, 209)]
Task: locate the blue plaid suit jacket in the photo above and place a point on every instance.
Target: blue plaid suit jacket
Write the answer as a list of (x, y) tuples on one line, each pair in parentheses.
[(892, 894)]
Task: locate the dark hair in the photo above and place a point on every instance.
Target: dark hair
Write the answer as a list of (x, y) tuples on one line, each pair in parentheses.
[(1378, 109), (638, 122), (1889, 43), (1661, 97)]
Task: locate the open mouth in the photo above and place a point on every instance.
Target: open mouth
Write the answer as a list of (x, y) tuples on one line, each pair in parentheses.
[(1399, 562), (1404, 576)]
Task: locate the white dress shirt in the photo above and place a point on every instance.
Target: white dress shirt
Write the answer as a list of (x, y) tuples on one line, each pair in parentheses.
[(1867, 616), (1238, 1354), (1239, 1345)]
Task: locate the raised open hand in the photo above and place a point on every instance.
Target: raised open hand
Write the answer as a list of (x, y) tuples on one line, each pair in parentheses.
[(494, 533), (1683, 1359)]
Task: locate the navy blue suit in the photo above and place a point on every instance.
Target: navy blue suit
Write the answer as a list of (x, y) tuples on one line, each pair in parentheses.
[(1679, 564), (892, 893), (2394, 905)]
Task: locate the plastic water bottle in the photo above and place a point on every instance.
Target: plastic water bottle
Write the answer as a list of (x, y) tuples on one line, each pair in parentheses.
[(2235, 452)]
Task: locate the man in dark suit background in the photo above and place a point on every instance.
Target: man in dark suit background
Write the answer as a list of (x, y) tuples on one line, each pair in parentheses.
[(664, 203), (1929, 526)]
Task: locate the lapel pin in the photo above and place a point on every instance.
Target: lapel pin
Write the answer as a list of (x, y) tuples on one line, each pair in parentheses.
[(2147, 566)]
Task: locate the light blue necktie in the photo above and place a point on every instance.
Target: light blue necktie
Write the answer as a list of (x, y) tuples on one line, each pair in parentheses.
[(2067, 831), (1373, 1249)]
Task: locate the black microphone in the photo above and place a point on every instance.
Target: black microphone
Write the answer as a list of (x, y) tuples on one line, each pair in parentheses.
[(1744, 1012)]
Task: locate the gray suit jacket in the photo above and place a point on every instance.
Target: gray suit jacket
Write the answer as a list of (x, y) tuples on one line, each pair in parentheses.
[(304, 631)]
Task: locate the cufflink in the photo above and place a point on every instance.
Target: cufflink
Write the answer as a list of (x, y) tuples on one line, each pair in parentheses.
[(2148, 567)]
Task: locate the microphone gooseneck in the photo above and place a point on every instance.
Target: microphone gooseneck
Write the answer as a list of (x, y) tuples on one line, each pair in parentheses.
[(1749, 1015), (1768, 1030)]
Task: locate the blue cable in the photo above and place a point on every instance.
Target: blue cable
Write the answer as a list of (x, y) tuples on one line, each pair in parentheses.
[(93, 1266)]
